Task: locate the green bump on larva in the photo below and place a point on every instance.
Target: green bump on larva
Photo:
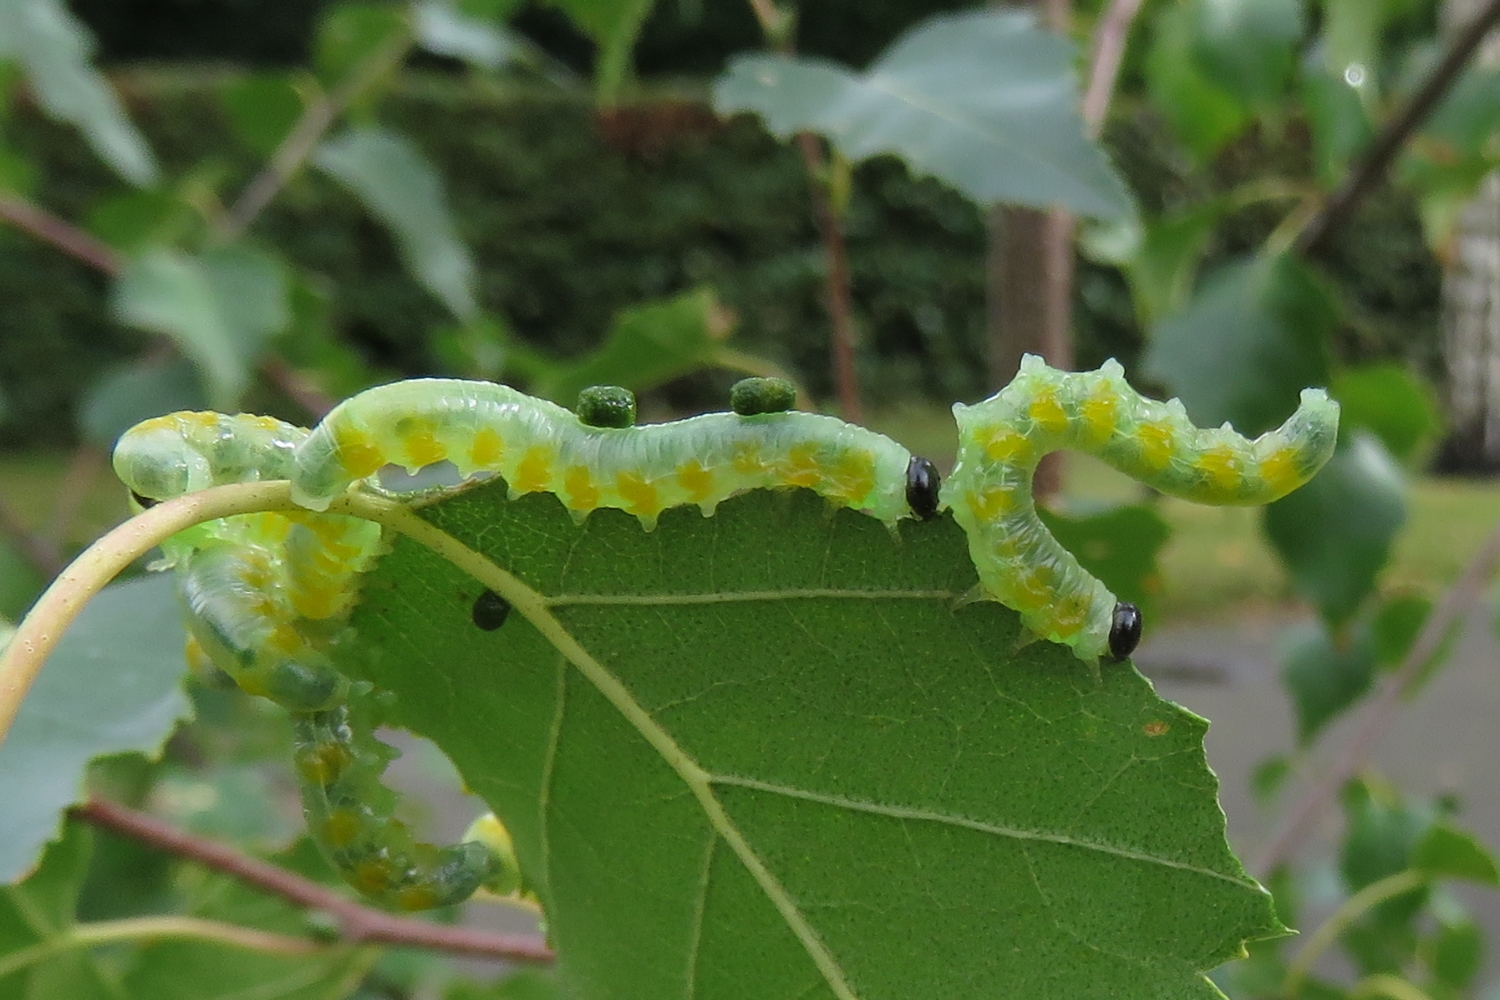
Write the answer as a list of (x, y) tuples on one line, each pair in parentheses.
[(606, 406), (752, 396)]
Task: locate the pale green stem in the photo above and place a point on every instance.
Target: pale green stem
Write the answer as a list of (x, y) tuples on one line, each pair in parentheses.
[(1354, 907), (1384, 984), (93, 935)]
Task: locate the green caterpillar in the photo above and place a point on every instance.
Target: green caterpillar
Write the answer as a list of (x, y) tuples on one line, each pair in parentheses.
[(266, 597), (267, 594)]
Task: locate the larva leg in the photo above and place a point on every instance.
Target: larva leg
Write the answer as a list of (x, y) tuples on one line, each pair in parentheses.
[(350, 814), (1042, 410)]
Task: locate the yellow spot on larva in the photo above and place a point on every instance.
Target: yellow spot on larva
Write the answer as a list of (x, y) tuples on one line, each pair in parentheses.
[(420, 443), (535, 471), (992, 503), (285, 639), (697, 481), (1157, 442), (204, 420), (639, 495), (357, 452), (746, 459), (1155, 728), (1279, 470), (582, 493), (1221, 465), (318, 601), (1070, 615), (372, 877), (1047, 413), (852, 478), (416, 897), (323, 765), (1032, 590), (340, 828), (1099, 413), (486, 448), (1004, 445), (801, 466)]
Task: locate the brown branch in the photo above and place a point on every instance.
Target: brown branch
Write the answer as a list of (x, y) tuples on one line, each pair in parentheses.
[(837, 289), (1104, 66), (297, 386), (1380, 710), (68, 238), (43, 555), (1339, 210), (358, 924), (305, 135)]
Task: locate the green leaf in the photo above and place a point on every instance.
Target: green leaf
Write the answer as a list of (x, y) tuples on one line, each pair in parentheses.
[(352, 32), (1445, 851), (613, 25), (779, 746), (53, 47), (1393, 404), (1326, 673), (1248, 46), (1161, 274), (111, 685), (1266, 781), (133, 221), (1204, 115), (1338, 118), (1455, 952), (40, 910), (1120, 546), (984, 101), (124, 397), (1249, 342), (647, 345), (405, 192), (263, 108), (446, 30), (1335, 533), (529, 984), (220, 307), (20, 583), (199, 970)]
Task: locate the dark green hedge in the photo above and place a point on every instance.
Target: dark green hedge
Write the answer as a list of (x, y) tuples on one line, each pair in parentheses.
[(573, 216)]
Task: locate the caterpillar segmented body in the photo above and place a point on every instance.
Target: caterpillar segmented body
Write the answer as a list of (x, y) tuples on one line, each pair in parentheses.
[(268, 594), (266, 597), (1042, 410)]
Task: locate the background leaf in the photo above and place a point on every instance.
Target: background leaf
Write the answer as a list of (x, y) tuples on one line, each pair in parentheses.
[(1326, 673), (112, 685), (40, 910), (1335, 533), (402, 189), (1120, 546), (983, 101), (1255, 335), (1390, 402), (446, 30), (54, 49), (758, 769), (126, 396)]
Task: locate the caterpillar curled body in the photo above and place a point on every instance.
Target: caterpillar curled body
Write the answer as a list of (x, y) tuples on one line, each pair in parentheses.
[(1042, 410), (266, 597)]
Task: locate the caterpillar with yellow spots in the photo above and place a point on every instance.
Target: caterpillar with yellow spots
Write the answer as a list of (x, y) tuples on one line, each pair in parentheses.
[(266, 597), (267, 594)]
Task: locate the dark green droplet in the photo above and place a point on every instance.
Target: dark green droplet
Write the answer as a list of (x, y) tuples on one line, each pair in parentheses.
[(762, 395), (607, 406), (490, 611)]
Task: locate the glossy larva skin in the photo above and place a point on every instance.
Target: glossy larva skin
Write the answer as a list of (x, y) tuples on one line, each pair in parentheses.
[(537, 446), (1043, 410), (266, 597)]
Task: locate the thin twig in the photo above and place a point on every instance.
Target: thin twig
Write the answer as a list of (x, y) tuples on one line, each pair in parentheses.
[(1104, 70), (43, 555), (837, 289), (298, 387), (305, 135), (1340, 209), (358, 924), (1380, 710), (66, 237)]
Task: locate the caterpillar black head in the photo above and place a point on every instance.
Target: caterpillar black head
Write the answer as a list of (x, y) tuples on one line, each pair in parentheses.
[(922, 482), (146, 502), (750, 396), (1124, 630), (607, 406)]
